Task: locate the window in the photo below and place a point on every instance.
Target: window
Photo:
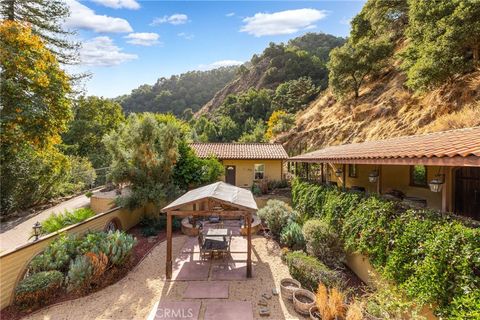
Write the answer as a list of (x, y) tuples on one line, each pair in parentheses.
[(418, 176), (352, 170), (259, 171)]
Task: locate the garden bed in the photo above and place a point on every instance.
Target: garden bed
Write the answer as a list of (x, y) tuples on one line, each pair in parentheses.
[(141, 249)]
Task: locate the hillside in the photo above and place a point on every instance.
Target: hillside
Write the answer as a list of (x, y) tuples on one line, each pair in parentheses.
[(189, 90), (302, 56), (384, 109)]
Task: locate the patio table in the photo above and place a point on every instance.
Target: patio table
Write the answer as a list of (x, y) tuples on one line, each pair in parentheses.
[(216, 238)]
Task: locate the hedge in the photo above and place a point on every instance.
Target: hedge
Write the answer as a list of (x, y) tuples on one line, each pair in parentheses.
[(433, 258)]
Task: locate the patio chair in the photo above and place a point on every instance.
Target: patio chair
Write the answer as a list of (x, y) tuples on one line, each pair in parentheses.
[(201, 244)]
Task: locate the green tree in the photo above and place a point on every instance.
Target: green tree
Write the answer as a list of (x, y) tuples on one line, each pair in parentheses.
[(227, 129), (144, 151), (93, 118), (253, 132), (46, 18), (34, 93), (352, 63), (294, 95), (443, 41)]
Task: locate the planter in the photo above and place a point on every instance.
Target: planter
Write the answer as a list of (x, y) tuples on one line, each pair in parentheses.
[(288, 287), (303, 300), (314, 313)]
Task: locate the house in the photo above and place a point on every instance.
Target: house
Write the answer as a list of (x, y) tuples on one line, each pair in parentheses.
[(246, 162), (437, 170)]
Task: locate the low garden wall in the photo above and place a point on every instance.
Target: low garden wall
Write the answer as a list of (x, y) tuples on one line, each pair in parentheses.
[(13, 263)]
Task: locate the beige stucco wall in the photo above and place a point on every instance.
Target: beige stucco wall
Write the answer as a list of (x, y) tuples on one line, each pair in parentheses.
[(393, 177), (245, 170), (13, 263)]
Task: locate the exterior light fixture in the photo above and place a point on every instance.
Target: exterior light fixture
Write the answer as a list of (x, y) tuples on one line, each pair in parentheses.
[(373, 176), (436, 183), (229, 168), (338, 172), (37, 227)]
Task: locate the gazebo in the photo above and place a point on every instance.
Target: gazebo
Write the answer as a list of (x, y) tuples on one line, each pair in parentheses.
[(217, 199)]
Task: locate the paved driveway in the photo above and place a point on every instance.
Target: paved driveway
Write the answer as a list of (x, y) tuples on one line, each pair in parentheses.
[(12, 237)]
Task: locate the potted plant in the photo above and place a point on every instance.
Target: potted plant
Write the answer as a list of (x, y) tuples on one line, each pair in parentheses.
[(303, 300), (288, 286), (329, 304)]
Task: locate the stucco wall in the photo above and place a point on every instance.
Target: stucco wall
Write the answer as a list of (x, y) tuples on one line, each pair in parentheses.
[(13, 263), (393, 177), (245, 170)]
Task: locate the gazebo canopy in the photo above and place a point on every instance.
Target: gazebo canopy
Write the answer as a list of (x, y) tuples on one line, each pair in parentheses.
[(223, 192)]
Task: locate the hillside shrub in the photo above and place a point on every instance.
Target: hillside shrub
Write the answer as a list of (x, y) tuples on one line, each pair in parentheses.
[(292, 236), (276, 214), (38, 288), (323, 243), (310, 271), (79, 274), (57, 221), (432, 258)]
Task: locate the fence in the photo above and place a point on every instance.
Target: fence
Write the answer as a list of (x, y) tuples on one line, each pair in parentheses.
[(13, 263)]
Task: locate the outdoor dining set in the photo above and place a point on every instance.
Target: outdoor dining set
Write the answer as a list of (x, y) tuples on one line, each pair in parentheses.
[(214, 241)]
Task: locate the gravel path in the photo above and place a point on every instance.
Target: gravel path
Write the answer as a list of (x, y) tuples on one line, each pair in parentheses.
[(134, 296)]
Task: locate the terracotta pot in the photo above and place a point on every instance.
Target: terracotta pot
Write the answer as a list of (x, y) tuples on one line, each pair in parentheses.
[(313, 310), (303, 300), (288, 287)]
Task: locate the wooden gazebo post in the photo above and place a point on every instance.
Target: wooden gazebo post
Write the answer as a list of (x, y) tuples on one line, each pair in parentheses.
[(169, 246), (248, 217)]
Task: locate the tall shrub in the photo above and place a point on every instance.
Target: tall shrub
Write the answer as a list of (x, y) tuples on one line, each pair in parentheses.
[(323, 243), (276, 214)]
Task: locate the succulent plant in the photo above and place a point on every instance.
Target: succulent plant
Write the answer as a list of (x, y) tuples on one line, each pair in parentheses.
[(80, 273)]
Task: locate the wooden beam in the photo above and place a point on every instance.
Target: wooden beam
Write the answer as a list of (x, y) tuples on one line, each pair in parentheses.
[(249, 245), (379, 180), (470, 161), (169, 247), (344, 176), (225, 213)]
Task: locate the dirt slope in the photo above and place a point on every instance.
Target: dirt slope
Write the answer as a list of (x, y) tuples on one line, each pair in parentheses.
[(385, 109)]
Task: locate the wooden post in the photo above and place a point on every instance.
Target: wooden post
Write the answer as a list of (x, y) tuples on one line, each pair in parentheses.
[(248, 216), (344, 177), (308, 171), (446, 190), (169, 246), (379, 181)]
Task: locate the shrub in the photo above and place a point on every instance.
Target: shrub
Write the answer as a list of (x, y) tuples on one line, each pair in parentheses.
[(59, 221), (276, 214), (118, 247), (256, 190), (323, 243), (465, 307), (38, 288), (79, 274), (309, 271), (56, 256), (292, 236), (151, 226)]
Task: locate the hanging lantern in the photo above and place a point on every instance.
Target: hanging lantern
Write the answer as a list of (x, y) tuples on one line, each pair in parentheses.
[(339, 172), (436, 183), (373, 176)]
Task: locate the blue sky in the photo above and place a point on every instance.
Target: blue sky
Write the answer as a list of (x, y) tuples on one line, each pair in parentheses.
[(127, 43)]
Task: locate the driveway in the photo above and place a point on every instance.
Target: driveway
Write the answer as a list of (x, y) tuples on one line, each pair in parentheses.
[(12, 235)]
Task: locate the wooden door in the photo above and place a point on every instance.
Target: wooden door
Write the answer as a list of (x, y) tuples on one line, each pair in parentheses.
[(230, 172), (467, 192)]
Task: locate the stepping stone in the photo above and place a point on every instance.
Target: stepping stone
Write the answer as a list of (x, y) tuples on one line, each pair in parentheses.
[(188, 267), (264, 312), (262, 302), (231, 271), (228, 310), (267, 296), (206, 290), (172, 310)]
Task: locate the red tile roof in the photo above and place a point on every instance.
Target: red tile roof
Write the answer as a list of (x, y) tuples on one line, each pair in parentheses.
[(240, 150), (453, 147)]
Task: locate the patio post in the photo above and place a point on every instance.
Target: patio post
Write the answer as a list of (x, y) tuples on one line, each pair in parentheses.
[(248, 216), (169, 246)]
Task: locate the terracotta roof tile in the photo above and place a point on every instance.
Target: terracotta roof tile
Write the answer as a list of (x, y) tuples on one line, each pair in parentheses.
[(240, 150), (446, 144)]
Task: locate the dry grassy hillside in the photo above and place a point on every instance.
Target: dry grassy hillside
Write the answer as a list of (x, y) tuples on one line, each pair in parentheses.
[(385, 109)]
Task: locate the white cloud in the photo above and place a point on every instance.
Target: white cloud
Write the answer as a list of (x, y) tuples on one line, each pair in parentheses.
[(143, 38), (102, 51), (282, 22), (83, 17), (230, 14), (187, 36), (118, 4), (175, 19), (219, 64)]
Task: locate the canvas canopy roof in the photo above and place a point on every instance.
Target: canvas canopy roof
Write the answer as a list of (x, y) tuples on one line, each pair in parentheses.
[(221, 191)]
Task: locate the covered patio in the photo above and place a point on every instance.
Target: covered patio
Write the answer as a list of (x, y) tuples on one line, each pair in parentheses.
[(213, 208)]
